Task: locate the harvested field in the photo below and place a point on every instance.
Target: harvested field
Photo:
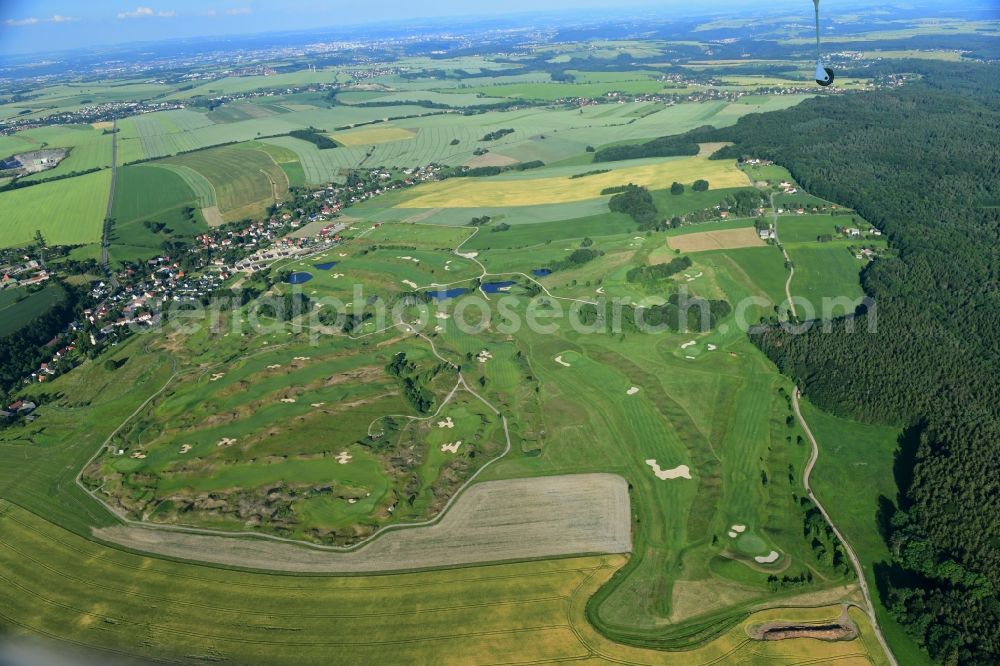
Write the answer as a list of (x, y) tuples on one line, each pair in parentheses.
[(490, 159), (539, 188), (368, 137), (726, 239), (492, 521)]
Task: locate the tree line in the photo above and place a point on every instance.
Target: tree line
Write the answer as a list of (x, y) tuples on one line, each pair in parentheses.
[(920, 163)]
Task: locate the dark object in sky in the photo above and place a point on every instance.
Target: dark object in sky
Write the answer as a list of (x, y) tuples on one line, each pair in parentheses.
[(824, 75)]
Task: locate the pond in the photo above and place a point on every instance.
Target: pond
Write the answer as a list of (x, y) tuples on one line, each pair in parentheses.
[(495, 287), (541, 272), (299, 278), (450, 293), (325, 266)]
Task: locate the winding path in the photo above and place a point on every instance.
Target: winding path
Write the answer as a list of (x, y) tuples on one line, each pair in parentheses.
[(851, 555), (788, 260)]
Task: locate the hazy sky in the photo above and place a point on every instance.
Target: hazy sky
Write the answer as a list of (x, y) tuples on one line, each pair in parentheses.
[(50, 25)]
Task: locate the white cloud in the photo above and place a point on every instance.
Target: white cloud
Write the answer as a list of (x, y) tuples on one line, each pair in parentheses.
[(210, 12), (236, 11), (31, 20), (139, 12), (59, 18), (167, 14)]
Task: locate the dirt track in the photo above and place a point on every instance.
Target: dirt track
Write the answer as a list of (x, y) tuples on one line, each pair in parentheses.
[(492, 521)]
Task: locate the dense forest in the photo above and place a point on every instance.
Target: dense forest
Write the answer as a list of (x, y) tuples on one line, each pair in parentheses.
[(23, 350), (922, 163)]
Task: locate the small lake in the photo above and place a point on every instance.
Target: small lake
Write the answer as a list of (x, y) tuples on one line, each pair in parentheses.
[(495, 287), (299, 278), (450, 293), (326, 265), (541, 272)]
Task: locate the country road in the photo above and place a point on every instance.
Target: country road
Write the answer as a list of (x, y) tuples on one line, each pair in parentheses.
[(105, 241), (788, 261), (855, 562)]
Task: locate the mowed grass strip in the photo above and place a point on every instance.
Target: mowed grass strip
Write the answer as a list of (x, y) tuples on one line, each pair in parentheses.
[(68, 212), (724, 239), (471, 193)]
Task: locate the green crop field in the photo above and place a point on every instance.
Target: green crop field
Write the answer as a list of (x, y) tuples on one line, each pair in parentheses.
[(18, 306), (147, 196), (69, 211), (241, 179)]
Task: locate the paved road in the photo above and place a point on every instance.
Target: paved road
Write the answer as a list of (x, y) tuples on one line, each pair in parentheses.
[(788, 261), (105, 241), (855, 562)]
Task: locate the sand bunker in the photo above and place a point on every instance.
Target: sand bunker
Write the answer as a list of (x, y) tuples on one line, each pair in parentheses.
[(274, 366), (711, 347), (226, 441), (633, 390), (468, 255), (739, 529), (344, 457), (690, 343), (679, 472), (447, 423), (301, 358), (217, 376), (484, 356), (138, 456), (690, 358), (441, 315), (317, 404), (336, 275), (341, 254), (185, 448), (288, 400), (451, 448), (560, 361), (767, 559), (732, 534), (410, 283)]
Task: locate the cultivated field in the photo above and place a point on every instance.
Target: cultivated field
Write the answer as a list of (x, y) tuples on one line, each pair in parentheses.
[(369, 137), (726, 239), (516, 519), (124, 604), (239, 180), (68, 212), (539, 189)]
